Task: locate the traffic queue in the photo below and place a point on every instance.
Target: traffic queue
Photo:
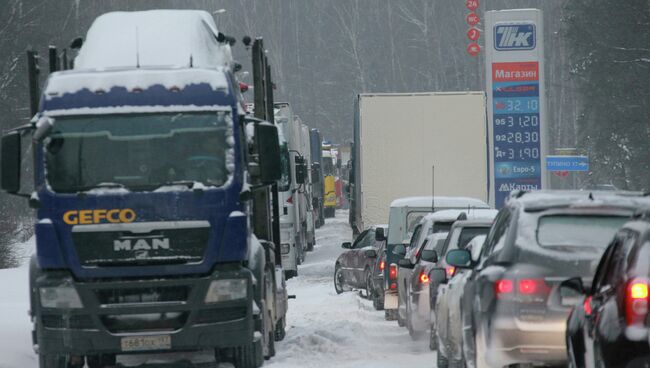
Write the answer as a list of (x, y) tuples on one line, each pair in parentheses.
[(554, 278)]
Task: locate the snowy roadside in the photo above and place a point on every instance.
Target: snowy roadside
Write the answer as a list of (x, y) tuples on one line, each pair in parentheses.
[(326, 329), (323, 329)]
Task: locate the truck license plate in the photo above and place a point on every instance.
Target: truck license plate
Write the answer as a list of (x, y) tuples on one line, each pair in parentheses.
[(143, 343)]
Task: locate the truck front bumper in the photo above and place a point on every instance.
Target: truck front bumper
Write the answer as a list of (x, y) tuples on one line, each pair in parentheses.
[(115, 313)]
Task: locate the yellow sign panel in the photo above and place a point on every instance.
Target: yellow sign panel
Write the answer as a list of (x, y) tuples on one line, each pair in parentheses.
[(86, 217)]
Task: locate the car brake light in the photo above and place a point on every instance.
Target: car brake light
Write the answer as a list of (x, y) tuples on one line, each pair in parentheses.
[(424, 278), (637, 301), (503, 286), (528, 286), (450, 271), (393, 286), (392, 271), (290, 200), (382, 265), (586, 305)]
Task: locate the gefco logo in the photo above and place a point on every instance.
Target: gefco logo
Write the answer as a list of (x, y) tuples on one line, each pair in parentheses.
[(514, 37), (87, 217)]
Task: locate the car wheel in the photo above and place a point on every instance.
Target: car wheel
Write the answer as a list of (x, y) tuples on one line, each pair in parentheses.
[(369, 292), (441, 361), (279, 330), (339, 281), (415, 334), (433, 339)]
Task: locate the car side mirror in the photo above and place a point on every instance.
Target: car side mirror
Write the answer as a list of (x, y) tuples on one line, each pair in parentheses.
[(379, 234), (438, 275), (399, 250), (406, 263), (460, 258), (346, 245), (429, 255), (268, 152), (10, 165), (371, 253)]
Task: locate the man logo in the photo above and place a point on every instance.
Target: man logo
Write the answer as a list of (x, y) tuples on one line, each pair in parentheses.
[(140, 244), (514, 37)]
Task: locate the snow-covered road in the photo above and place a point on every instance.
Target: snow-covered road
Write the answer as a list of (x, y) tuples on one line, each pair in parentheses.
[(323, 329)]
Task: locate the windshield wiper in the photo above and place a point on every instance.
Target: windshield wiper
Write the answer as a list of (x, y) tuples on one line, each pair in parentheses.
[(187, 183)]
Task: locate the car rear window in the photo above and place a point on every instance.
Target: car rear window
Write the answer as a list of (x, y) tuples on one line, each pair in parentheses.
[(440, 227), (469, 233), (578, 230)]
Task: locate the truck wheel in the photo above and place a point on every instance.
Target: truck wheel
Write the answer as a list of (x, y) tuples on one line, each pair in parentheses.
[(279, 330), (271, 345), (248, 356), (59, 361), (442, 361), (338, 279), (101, 361), (370, 295)]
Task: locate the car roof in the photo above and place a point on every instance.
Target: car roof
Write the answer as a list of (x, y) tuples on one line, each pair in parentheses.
[(546, 199), (439, 201), (475, 223), (452, 215)]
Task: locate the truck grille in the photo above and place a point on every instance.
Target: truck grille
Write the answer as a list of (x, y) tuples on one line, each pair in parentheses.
[(143, 243), (167, 294), (145, 322)]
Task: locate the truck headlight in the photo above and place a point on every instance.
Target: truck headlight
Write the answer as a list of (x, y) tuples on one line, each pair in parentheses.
[(226, 290), (285, 248), (60, 297)]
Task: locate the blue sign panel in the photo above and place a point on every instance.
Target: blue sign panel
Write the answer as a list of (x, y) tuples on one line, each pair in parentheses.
[(567, 163), (516, 128), (514, 37)]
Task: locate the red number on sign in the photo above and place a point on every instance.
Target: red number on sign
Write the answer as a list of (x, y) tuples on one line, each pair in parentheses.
[(473, 34), (473, 49), (472, 4), (472, 19)]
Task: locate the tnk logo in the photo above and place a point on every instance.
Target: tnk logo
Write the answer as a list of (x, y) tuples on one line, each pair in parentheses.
[(514, 37)]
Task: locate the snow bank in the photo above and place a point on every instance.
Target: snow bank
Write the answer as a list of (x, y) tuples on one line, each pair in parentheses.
[(153, 38)]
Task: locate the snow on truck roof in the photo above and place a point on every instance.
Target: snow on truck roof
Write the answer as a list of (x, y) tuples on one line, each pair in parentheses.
[(153, 38), (72, 81), (440, 202)]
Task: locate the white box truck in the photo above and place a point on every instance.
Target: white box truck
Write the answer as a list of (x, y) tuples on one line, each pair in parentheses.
[(400, 137)]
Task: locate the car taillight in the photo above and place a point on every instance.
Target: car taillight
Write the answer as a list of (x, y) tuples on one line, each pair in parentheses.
[(424, 278), (450, 271), (504, 286), (393, 286), (586, 305), (382, 265), (636, 301), (530, 286), (392, 271)]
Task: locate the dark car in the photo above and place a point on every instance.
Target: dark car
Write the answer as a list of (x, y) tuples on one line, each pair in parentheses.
[(610, 327), (353, 268), (510, 311)]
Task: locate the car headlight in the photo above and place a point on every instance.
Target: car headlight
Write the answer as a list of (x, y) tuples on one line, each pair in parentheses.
[(60, 297), (226, 290), (285, 248)]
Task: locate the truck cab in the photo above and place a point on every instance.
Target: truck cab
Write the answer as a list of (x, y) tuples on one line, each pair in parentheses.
[(144, 187)]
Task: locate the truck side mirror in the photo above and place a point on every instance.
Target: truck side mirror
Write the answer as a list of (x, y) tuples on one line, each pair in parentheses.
[(379, 234), (315, 171), (268, 151), (10, 165), (301, 170)]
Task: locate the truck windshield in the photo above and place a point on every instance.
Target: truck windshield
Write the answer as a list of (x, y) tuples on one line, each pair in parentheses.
[(137, 151)]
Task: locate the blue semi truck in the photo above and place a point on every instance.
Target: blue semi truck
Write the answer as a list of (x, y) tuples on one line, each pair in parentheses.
[(157, 217)]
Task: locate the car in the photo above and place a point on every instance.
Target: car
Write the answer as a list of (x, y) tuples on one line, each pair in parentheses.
[(446, 336), (609, 327), (404, 215), (462, 233), (417, 287), (377, 291), (509, 311), (353, 268), (433, 223)]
